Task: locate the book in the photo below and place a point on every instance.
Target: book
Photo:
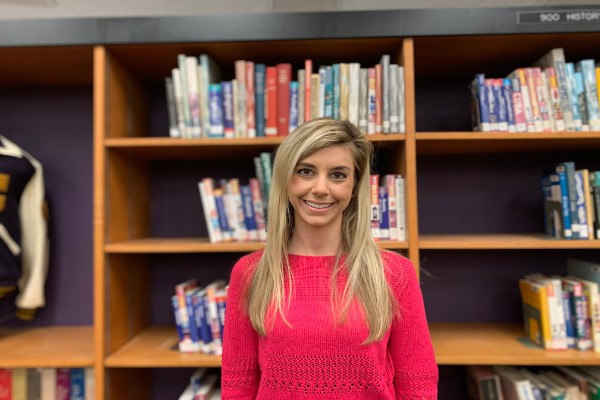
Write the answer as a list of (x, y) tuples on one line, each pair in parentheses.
[(535, 312), (515, 386), (259, 97), (308, 69), (250, 99), (271, 124), (19, 384), (582, 204), (579, 313), (375, 211), (77, 384), (191, 70), (171, 107), (48, 383), (554, 95), (589, 273), (217, 121), (284, 75), (556, 58), (209, 73), (227, 88), (385, 92), (5, 384), (353, 92), (180, 289), (241, 129), (63, 383), (587, 69), (483, 383), (34, 383), (209, 206)]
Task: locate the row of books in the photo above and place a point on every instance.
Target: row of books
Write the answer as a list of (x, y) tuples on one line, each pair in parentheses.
[(47, 383), (200, 316), (265, 100), (204, 385), (563, 312), (520, 383), (235, 212), (571, 201), (552, 95)]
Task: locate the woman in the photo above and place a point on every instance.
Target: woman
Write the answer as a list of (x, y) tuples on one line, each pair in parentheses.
[(321, 312)]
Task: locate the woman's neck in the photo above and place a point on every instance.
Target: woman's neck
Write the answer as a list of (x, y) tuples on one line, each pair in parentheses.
[(315, 243)]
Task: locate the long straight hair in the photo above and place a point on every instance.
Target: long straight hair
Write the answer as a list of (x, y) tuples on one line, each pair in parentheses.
[(363, 266)]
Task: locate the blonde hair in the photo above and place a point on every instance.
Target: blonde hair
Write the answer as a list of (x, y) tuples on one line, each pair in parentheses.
[(364, 266)]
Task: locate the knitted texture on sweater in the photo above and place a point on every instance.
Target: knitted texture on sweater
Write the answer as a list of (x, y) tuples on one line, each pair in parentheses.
[(317, 358)]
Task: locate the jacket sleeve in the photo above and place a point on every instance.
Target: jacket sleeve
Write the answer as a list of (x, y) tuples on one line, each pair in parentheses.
[(34, 244), (415, 368), (240, 370)]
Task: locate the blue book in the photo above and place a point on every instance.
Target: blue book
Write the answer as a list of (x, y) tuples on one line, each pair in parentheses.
[(222, 212), (573, 97), (580, 205), (215, 103), (510, 113), (77, 385), (293, 105), (228, 123), (564, 191), (384, 214), (202, 325), (335, 82), (328, 92), (501, 106), (177, 315), (481, 119), (570, 329), (248, 206), (189, 305), (259, 98)]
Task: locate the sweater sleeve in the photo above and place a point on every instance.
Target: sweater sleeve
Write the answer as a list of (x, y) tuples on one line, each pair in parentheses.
[(415, 368), (240, 371)]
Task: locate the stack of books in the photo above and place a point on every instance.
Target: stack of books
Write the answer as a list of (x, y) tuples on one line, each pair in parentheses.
[(47, 383), (204, 385)]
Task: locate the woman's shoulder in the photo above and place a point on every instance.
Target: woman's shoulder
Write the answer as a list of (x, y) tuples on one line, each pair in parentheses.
[(398, 269), (246, 264)]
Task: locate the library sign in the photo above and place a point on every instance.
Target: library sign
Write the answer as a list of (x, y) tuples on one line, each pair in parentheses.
[(549, 17)]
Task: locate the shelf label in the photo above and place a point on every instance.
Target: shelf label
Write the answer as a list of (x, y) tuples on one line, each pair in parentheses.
[(551, 17)]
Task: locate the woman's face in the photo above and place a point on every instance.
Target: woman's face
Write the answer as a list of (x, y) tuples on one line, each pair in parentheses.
[(321, 188)]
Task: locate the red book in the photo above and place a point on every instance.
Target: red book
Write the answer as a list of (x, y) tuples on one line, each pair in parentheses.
[(5, 384), (307, 89), (284, 76), (271, 103)]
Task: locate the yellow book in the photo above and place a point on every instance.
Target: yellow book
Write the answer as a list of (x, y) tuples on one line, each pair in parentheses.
[(19, 384), (535, 312)]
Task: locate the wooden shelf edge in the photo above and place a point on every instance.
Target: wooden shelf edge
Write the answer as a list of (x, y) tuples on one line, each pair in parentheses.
[(497, 344), (450, 136), (156, 348), (47, 347), (201, 245), (501, 242)]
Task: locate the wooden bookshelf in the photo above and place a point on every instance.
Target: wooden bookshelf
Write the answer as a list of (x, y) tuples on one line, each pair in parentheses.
[(497, 344), (49, 347)]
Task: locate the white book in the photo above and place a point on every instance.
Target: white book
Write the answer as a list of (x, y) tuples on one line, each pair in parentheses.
[(191, 69), (590, 289), (209, 206), (48, 384), (89, 382), (322, 80), (301, 93), (353, 92), (385, 92), (176, 75), (240, 99), (401, 207), (394, 99), (401, 100), (363, 101), (183, 77)]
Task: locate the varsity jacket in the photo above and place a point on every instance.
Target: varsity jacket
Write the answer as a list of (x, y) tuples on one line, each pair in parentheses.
[(23, 229)]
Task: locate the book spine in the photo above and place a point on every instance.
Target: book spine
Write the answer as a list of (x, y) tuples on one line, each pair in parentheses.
[(541, 91), (371, 102), (293, 106), (322, 78), (202, 321), (248, 207), (566, 208), (259, 98), (557, 110), (533, 99), (375, 211), (271, 102), (183, 77), (492, 104), (240, 102), (171, 107), (5, 384), (335, 73), (581, 208), (401, 100), (191, 69), (385, 92), (308, 68), (328, 112), (363, 100), (568, 317), (481, 114), (222, 215), (63, 383), (315, 95), (588, 71), (284, 75), (228, 107), (518, 106), (215, 96), (209, 207), (507, 95), (250, 101), (392, 205), (378, 99), (77, 384), (177, 91), (573, 97), (177, 315), (563, 86), (401, 204), (257, 202), (501, 104), (595, 189), (384, 223), (394, 97), (301, 90)]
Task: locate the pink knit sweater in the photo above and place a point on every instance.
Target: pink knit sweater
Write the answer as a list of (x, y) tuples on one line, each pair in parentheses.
[(317, 358)]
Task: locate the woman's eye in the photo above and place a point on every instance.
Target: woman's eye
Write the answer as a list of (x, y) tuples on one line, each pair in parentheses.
[(304, 172), (339, 175)]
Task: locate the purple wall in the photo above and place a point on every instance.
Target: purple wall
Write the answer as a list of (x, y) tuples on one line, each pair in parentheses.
[(54, 124)]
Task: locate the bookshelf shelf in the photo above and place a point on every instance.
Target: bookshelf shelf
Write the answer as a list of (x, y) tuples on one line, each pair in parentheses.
[(501, 241), (497, 344), (157, 347), (200, 245), (498, 142), (49, 347)]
